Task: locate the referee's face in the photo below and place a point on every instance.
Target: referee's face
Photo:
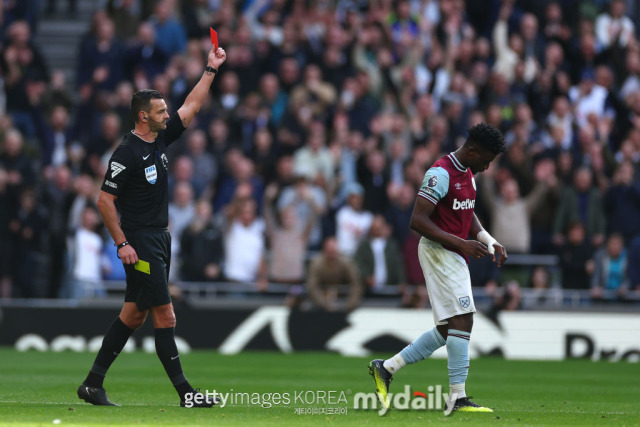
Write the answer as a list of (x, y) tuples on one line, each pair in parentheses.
[(158, 115)]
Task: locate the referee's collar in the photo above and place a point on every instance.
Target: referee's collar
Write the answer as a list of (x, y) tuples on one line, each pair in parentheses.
[(141, 138)]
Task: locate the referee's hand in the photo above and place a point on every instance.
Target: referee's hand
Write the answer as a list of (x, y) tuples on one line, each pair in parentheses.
[(128, 254), (216, 57)]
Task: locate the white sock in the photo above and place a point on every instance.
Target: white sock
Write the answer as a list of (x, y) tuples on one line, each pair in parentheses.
[(394, 364), (457, 388)]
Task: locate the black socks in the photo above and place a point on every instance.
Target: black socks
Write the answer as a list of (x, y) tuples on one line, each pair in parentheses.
[(168, 354), (112, 344)]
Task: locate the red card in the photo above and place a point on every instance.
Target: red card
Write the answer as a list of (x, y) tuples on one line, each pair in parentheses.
[(214, 37)]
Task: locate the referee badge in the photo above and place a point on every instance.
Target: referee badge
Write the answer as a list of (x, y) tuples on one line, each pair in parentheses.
[(151, 174)]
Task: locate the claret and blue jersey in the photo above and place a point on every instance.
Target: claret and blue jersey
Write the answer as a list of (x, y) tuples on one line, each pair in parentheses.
[(452, 188)]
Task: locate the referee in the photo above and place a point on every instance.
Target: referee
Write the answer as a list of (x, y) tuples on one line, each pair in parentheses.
[(135, 186)]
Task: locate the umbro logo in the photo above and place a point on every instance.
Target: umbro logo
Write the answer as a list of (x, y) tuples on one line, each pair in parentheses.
[(116, 168), (458, 186)]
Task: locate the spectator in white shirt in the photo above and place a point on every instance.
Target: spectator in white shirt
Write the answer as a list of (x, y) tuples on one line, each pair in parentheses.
[(87, 275), (614, 26), (244, 245), (352, 223)]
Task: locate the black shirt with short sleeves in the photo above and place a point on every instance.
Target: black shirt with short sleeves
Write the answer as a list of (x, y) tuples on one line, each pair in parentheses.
[(138, 177)]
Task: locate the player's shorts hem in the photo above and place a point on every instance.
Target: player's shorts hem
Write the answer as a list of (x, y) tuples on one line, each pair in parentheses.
[(445, 320)]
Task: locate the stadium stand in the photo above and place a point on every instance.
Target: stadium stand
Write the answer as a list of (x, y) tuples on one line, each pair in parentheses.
[(319, 101)]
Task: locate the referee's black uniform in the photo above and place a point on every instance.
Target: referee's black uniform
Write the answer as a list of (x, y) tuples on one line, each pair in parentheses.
[(138, 177)]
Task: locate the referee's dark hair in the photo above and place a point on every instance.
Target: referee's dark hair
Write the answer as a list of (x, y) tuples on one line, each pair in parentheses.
[(487, 137), (141, 101)]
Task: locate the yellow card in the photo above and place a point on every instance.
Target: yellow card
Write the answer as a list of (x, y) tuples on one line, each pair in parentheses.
[(142, 266)]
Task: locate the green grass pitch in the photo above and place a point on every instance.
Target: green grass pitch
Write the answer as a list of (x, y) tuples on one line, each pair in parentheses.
[(37, 388)]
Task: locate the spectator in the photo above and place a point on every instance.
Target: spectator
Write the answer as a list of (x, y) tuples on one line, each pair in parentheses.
[(581, 203), (622, 203), (87, 275), (184, 172), (26, 229), (204, 163), (181, 210), (560, 122), (16, 164), (399, 212), (317, 94), (84, 188), (374, 177), (511, 213), (23, 71), (329, 271), (58, 197), (510, 50), (170, 34), (264, 155), (315, 159), (202, 247), (352, 223), (614, 28), (112, 267), (125, 17), (576, 258), (309, 202), (610, 278), (288, 236), (241, 171), (100, 150), (100, 60), (379, 258), (274, 98), (587, 98), (145, 55), (245, 260), (55, 136)]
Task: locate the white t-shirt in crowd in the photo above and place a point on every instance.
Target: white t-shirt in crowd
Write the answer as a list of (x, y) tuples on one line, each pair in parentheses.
[(244, 248), (88, 250), (351, 227)]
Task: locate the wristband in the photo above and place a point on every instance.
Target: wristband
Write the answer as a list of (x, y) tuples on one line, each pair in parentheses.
[(488, 240), (210, 69), (121, 245)]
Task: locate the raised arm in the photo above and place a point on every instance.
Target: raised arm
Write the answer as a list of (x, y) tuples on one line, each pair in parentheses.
[(196, 97)]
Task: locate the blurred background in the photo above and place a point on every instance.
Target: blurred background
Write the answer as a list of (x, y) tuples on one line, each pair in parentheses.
[(295, 183)]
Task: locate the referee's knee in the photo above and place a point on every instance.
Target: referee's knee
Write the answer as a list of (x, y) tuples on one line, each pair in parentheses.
[(164, 318)]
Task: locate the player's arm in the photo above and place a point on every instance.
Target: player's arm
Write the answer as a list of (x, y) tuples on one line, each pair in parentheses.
[(421, 223), (107, 208), (477, 232), (196, 97)]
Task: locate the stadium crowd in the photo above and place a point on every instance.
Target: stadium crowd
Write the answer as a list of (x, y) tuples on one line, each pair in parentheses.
[(304, 163)]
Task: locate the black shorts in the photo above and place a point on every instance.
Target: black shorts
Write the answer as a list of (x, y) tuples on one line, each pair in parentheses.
[(149, 288)]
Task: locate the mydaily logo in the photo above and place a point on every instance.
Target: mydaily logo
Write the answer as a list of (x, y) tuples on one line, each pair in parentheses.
[(433, 399)]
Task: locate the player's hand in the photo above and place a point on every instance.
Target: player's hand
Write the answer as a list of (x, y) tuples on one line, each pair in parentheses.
[(216, 57), (502, 252), (474, 249), (128, 254)]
